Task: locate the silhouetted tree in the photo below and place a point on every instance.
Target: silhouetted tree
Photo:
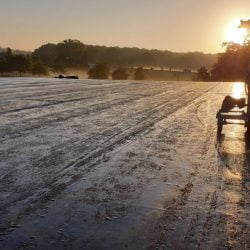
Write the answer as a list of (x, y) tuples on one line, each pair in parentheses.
[(20, 63), (147, 58), (232, 65), (8, 53), (99, 71), (4, 66), (111, 56), (203, 74), (38, 68), (47, 53), (139, 74), (10, 62), (68, 53), (5, 61), (58, 68), (120, 74), (71, 53)]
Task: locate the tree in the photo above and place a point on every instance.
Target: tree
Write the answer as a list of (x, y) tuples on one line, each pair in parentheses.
[(68, 53), (20, 63), (38, 68), (8, 53), (47, 53), (10, 62), (71, 53), (203, 74), (4, 67), (5, 61), (147, 58), (99, 71), (58, 68), (120, 74), (139, 74), (232, 64), (112, 56)]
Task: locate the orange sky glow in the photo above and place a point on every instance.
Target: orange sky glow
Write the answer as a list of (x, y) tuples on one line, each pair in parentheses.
[(187, 25)]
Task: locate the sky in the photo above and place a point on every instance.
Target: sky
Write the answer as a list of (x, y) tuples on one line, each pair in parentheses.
[(176, 25)]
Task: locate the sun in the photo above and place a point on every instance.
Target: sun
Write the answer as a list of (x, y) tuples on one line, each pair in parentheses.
[(234, 34)]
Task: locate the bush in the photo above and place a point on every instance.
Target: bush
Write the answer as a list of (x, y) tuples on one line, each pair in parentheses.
[(120, 74), (99, 71), (139, 74)]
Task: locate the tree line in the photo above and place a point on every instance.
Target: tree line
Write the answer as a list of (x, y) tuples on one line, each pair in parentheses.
[(21, 63), (24, 63), (73, 53), (232, 65)]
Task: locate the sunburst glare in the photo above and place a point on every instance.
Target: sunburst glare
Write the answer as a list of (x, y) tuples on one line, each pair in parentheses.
[(234, 34)]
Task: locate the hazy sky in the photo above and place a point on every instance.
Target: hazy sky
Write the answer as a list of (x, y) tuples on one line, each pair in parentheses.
[(177, 25)]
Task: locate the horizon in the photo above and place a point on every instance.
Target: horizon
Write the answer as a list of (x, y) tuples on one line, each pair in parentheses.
[(158, 25)]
